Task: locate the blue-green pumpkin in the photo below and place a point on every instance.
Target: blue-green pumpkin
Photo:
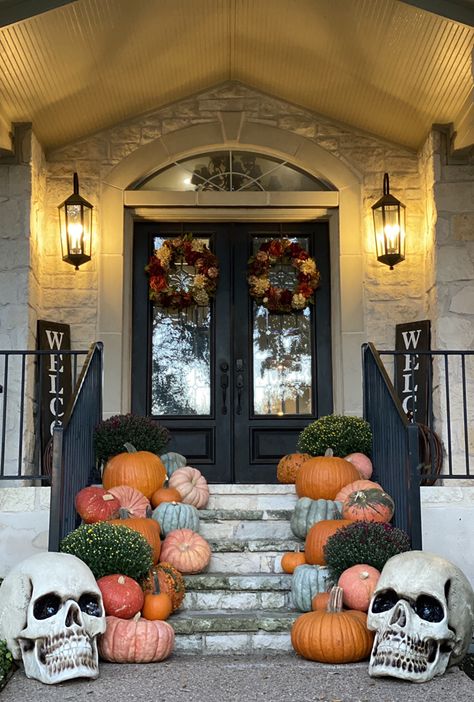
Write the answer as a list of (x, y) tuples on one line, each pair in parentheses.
[(176, 515), (172, 461), (307, 512), (306, 582)]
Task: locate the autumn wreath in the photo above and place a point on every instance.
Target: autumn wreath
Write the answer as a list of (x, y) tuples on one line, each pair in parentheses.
[(276, 299), (186, 252)]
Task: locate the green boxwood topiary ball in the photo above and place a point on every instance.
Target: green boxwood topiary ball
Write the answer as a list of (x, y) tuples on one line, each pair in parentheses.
[(344, 435), (109, 549), (372, 543)]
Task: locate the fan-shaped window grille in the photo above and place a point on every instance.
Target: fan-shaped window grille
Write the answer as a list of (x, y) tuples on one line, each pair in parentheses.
[(232, 171)]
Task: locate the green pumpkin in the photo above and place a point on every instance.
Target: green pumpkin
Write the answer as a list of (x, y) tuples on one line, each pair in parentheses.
[(306, 582), (176, 515), (307, 512), (172, 461)]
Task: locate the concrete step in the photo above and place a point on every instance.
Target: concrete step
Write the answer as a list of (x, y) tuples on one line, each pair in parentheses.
[(237, 592), (245, 524), (252, 497), (232, 631), (244, 556)]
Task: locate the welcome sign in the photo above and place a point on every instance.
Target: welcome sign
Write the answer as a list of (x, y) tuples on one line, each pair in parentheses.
[(412, 370)]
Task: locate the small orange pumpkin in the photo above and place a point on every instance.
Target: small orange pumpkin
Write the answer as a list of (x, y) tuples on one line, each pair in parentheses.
[(317, 536), (358, 583), (292, 559), (320, 601), (289, 466), (142, 470), (171, 581), (332, 636), (149, 528), (323, 476), (157, 604), (165, 494)]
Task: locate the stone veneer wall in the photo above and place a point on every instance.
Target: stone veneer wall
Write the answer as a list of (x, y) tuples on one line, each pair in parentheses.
[(397, 295)]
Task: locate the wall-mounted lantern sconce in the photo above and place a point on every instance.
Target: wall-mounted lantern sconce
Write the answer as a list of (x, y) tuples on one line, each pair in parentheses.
[(389, 227), (75, 221)]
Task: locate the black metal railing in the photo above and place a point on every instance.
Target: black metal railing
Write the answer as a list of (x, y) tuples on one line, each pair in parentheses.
[(395, 447), (73, 460), (22, 446)]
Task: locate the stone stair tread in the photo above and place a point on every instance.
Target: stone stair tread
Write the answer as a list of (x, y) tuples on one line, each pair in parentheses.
[(254, 545), (199, 621), (251, 582), (252, 489), (212, 515)]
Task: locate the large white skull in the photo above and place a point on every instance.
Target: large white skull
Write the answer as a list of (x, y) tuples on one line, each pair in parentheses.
[(423, 612), (51, 613)]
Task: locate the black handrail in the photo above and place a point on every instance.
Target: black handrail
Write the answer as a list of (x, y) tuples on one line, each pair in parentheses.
[(73, 461), (395, 448)]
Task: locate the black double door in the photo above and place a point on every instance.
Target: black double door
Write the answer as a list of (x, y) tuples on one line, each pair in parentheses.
[(234, 383)]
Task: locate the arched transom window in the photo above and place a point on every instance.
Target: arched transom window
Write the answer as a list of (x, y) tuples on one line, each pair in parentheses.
[(232, 171)]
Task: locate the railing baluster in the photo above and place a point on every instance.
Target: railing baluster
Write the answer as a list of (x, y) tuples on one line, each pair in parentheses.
[(22, 409), (448, 413), (464, 408), (4, 417)]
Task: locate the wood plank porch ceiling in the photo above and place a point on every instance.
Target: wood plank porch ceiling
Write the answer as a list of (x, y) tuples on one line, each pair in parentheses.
[(381, 66)]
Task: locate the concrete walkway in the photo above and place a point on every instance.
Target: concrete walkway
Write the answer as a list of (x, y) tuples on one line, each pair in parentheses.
[(276, 678)]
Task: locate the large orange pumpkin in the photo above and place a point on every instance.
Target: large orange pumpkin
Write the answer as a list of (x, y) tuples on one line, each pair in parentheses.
[(149, 528), (136, 640), (186, 550), (358, 583), (332, 636), (323, 476), (141, 470), (289, 465), (318, 535)]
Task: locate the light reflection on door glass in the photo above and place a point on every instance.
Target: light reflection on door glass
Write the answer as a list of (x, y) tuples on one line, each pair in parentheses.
[(181, 362), (282, 354)]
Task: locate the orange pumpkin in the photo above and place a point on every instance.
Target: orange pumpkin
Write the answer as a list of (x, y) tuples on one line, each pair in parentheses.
[(186, 550), (157, 604), (371, 505), (332, 636), (132, 501), (149, 528), (323, 476), (165, 494), (289, 465), (291, 560), (142, 470), (171, 581), (136, 640), (358, 583), (363, 484), (122, 596), (362, 463), (318, 535), (320, 601)]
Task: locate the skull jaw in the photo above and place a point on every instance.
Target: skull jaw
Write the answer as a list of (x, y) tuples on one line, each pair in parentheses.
[(67, 662), (392, 657)]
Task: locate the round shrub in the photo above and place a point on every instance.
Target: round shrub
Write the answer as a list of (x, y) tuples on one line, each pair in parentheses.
[(363, 542), (342, 434), (109, 549), (143, 433), (6, 662)]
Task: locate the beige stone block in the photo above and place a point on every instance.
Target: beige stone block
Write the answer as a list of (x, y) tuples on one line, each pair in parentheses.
[(463, 226), (463, 301), (454, 197), (110, 293), (352, 313), (43, 498), (20, 499), (112, 372), (453, 264)]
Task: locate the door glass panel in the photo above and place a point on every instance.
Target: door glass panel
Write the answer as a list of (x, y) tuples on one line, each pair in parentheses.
[(181, 359), (282, 352)]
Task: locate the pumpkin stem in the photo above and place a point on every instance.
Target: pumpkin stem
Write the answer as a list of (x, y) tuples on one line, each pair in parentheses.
[(124, 513), (130, 447), (148, 512), (156, 583), (137, 616), (335, 600), (329, 452)]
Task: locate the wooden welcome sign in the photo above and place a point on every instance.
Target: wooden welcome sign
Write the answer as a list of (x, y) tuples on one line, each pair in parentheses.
[(412, 370)]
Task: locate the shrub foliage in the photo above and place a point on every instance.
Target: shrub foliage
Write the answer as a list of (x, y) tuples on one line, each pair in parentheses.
[(145, 434), (342, 434)]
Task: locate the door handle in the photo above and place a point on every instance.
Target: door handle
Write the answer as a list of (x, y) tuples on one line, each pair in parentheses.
[(239, 383), (224, 366)]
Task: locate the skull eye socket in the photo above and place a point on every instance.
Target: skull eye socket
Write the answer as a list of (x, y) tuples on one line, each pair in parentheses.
[(46, 606), (384, 601), (90, 604), (429, 608)]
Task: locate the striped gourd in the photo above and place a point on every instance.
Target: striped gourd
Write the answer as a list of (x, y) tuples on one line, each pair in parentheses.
[(307, 512), (307, 581), (176, 515)]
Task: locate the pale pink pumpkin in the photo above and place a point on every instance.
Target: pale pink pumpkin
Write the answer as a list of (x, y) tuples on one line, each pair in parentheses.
[(358, 583), (186, 550), (344, 492), (362, 463), (131, 500), (136, 640), (191, 485)]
